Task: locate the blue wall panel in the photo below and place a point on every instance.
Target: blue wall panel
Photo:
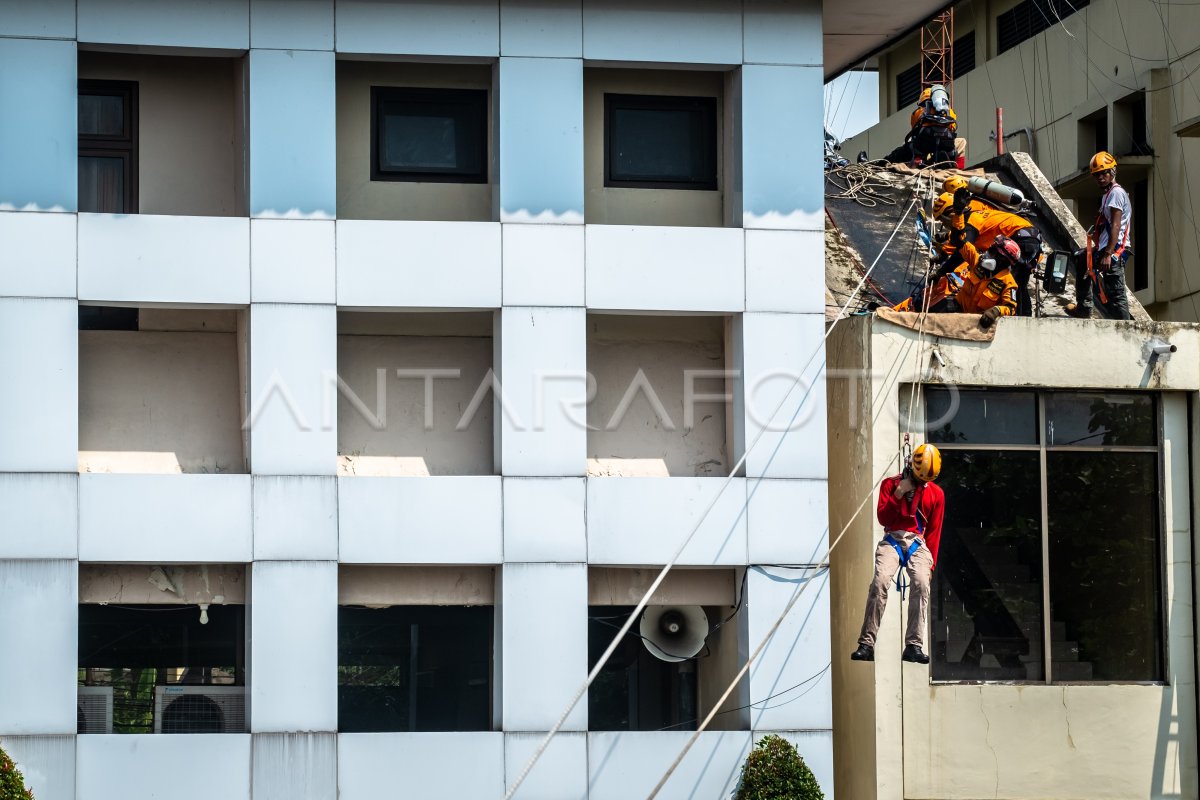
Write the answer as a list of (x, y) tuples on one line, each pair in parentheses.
[(38, 125)]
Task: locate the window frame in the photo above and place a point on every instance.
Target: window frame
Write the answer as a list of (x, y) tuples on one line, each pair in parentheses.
[(478, 102), (709, 145), (105, 146), (1042, 448)]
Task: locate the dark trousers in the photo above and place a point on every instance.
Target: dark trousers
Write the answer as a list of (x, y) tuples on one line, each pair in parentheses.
[(1030, 242), (1087, 293), (930, 143)]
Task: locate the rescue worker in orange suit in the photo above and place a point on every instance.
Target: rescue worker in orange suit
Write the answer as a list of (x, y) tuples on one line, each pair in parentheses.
[(1109, 246), (934, 126), (974, 229), (911, 508), (985, 287)]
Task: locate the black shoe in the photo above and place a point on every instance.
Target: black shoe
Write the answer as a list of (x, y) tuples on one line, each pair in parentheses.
[(864, 653), (913, 653)]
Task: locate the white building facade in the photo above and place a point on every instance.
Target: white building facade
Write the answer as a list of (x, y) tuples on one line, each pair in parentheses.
[(210, 213)]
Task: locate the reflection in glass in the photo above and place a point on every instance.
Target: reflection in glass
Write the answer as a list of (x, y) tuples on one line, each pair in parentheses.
[(987, 589), (102, 185), (414, 668), (419, 142), (655, 144), (978, 416), (1100, 420), (1104, 578)]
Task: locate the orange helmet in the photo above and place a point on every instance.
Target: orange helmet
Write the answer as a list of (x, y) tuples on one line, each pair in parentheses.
[(1102, 162), (926, 463), (943, 204), (925, 95)]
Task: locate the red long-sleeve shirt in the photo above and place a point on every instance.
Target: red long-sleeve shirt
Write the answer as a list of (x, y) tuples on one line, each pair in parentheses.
[(922, 515)]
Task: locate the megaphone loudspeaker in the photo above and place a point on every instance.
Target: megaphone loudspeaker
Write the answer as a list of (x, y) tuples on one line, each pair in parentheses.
[(674, 633)]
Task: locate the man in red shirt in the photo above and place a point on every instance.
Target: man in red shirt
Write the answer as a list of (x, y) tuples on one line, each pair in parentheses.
[(911, 508)]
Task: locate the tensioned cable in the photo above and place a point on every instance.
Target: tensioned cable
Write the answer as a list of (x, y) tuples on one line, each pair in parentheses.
[(541, 748)]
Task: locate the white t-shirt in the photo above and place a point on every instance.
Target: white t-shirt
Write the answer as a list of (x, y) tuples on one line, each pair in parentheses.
[(1116, 198)]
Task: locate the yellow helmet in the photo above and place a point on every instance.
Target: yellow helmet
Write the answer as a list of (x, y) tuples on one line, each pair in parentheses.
[(954, 183), (925, 95), (1102, 162), (943, 204), (926, 463)]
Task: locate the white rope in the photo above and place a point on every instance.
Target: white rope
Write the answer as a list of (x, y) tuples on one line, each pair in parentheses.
[(641, 605)]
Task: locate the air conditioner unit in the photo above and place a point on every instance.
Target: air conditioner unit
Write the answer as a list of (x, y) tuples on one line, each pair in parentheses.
[(95, 709), (200, 709)]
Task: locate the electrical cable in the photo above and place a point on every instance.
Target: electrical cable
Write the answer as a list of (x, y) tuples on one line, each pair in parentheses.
[(679, 550), (809, 679)]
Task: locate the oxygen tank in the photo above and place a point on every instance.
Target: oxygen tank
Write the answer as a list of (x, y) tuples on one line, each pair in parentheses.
[(997, 192), (939, 100)]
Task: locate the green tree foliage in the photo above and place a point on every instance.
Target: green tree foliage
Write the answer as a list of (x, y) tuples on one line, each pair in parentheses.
[(12, 783), (775, 771)]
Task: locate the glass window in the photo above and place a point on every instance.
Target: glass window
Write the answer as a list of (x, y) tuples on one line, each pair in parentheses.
[(660, 142), (977, 416), (1104, 566), (987, 598), (159, 669), (1100, 420), (429, 135), (108, 147), (415, 668), (1094, 513)]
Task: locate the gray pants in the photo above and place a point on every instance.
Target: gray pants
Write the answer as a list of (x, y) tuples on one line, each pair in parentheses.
[(919, 570), (1087, 293)]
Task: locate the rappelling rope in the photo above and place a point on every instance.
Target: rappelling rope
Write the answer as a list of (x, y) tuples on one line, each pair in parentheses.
[(861, 183)]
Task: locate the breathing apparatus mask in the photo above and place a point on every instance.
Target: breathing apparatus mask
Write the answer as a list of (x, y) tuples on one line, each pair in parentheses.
[(987, 264), (939, 100)]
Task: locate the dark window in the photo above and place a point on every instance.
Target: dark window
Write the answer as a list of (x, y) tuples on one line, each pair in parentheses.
[(108, 147), (908, 87), (415, 668), (1028, 19), (437, 135), (167, 672), (964, 54), (660, 142), (1048, 496), (637, 691), (1139, 262), (108, 318)]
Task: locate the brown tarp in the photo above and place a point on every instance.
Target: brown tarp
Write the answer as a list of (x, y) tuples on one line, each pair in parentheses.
[(949, 326)]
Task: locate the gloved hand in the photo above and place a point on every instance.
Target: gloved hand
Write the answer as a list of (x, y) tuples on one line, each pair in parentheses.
[(989, 317)]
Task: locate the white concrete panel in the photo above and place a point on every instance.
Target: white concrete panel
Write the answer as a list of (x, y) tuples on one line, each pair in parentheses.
[(47, 762), (544, 631), (39, 409), (415, 264), (293, 652), (292, 261), (164, 259), (785, 271), (294, 766), (541, 125), (444, 28), (431, 766), (543, 265), (543, 366), (645, 520), (291, 24), (176, 23), (295, 518), (660, 268), (816, 748), (783, 363), (40, 143), (783, 32), (39, 615), (705, 31), (546, 28), (545, 519), (41, 515), (293, 389), (781, 188), (38, 257), (561, 772), (150, 767), (165, 518), (46, 19), (628, 764), (787, 521), (292, 120), (444, 519), (795, 663)]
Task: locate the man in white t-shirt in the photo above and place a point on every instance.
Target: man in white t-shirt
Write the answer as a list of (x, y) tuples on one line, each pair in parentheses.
[(1110, 247)]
